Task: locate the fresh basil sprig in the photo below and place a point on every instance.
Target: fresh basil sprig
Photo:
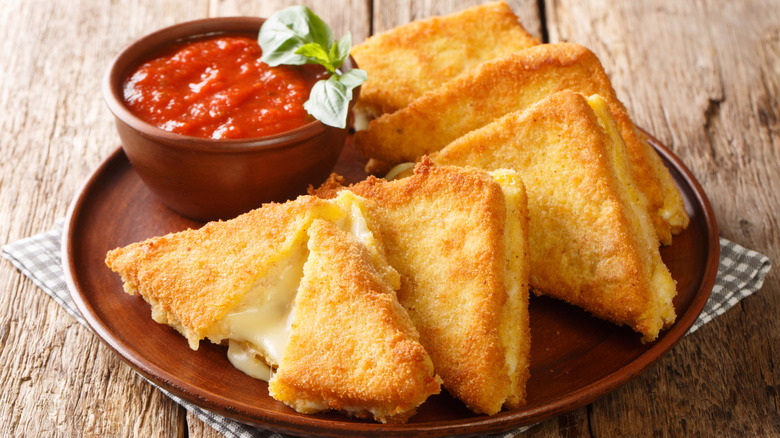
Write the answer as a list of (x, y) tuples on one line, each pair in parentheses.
[(296, 36)]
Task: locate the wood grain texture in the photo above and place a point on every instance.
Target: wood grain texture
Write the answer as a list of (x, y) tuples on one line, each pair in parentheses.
[(703, 77), (57, 378), (342, 17)]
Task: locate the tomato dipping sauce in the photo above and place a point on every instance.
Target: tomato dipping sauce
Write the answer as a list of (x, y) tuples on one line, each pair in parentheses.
[(218, 88)]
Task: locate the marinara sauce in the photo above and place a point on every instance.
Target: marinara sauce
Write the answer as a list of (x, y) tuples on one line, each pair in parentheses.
[(218, 88)]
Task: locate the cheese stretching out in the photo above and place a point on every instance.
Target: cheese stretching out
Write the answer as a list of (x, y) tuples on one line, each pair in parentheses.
[(458, 239), (513, 83), (409, 60), (344, 301), (238, 282), (591, 240)]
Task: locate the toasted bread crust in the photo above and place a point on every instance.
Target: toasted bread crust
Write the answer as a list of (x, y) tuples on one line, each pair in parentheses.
[(444, 231), (409, 60), (510, 84), (352, 346), (586, 241), (194, 277)]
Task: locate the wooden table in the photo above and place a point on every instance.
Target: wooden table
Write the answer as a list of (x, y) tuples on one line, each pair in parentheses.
[(703, 77)]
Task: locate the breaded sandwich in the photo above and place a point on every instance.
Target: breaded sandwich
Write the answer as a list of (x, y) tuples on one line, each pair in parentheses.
[(236, 282), (458, 239), (352, 346), (513, 83), (591, 239), (405, 62)]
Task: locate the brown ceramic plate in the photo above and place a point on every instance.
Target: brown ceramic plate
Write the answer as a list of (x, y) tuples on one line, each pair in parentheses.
[(575, 357)]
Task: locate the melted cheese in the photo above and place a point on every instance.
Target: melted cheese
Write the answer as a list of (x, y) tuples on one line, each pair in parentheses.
[(354, 220), (261, 325), (400, 171), (355, 224), (245, 358), (259, 328)]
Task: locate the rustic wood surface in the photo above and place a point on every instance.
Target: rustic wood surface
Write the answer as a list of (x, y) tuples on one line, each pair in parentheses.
[(703, 77)]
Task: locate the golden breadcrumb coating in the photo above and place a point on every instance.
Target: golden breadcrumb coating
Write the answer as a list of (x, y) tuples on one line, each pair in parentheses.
[(352, 346), (366, 345), (444, 230), (193, 278), (513, 83), (406, 61), (591, 240)]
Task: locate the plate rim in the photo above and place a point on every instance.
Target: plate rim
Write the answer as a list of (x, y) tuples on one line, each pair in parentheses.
[(503, 421)]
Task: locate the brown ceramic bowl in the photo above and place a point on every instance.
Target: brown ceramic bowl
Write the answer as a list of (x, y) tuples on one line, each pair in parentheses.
[(207, 179)]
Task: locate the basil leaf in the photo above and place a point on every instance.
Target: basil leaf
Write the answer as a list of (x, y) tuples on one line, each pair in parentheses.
[(318, 31), (328, 102), (296, 36), (316, 54), (340, 51), (286, 31), (329, 99), (279, 42), (353, 78), (283, 53)]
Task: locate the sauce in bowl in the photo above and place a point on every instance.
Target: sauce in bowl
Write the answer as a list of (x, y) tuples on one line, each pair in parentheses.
[(218, 88)]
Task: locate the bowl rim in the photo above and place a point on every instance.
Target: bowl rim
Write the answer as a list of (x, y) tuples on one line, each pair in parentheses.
[(143, 48)]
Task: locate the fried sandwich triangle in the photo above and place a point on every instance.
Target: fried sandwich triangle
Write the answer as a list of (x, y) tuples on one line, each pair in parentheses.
[(458, 237), (405, 62), (591, 239), (296, 286), (513, 83)]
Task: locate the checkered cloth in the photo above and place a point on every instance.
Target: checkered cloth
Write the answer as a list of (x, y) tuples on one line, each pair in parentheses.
[(741, 273)]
